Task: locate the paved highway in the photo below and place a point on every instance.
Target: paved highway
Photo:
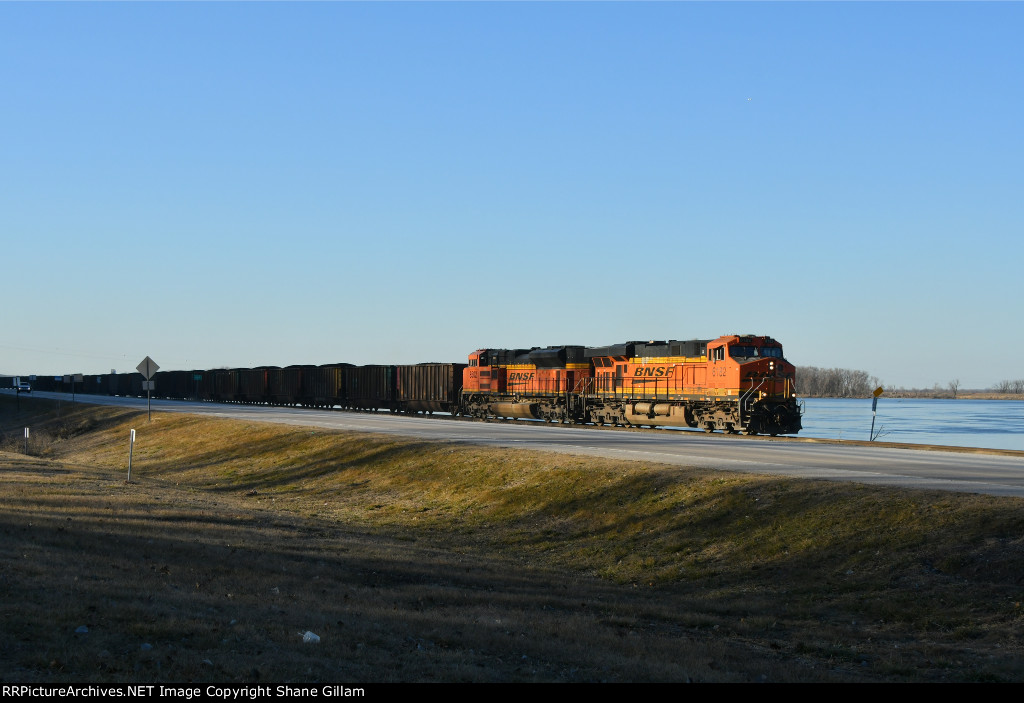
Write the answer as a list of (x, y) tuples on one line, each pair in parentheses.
[(990, 473)]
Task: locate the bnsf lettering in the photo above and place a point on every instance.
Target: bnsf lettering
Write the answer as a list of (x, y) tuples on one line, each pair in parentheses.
[(653, 371), (520, 376)]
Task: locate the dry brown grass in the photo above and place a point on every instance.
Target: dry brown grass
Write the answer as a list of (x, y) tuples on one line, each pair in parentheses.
[(418, 561)]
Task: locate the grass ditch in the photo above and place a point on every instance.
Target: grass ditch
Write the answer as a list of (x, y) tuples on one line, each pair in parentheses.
[(419, 561)]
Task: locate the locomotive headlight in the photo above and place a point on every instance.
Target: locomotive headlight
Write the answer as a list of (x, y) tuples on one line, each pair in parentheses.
[(771, 365)]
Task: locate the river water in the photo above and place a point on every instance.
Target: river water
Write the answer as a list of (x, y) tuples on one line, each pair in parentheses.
[(993, 424)]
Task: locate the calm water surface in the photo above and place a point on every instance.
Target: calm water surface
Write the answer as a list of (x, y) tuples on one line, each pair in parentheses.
[(995, 424)]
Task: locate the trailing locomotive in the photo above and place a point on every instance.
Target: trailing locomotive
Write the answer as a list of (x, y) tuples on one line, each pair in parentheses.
[(732, 384)]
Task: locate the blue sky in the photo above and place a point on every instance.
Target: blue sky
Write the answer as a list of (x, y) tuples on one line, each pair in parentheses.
[(237, 184)]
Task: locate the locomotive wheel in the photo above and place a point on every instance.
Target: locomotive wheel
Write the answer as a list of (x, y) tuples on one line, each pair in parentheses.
[(709, 427)]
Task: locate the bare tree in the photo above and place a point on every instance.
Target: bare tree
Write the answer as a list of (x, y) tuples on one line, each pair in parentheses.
[(954, 386), (1015, 387), (816, 382)]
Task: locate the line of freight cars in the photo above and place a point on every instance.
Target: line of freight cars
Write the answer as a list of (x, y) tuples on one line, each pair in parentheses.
[(411, 388)]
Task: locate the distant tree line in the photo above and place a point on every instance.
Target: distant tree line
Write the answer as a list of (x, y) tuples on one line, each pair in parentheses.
[(1010, 386), (815, 382)]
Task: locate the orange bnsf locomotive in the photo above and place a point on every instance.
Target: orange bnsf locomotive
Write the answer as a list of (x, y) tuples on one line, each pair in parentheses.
[(734, 384)]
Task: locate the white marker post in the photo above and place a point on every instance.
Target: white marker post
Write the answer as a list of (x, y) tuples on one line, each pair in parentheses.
[(26, 440), (131, 447)]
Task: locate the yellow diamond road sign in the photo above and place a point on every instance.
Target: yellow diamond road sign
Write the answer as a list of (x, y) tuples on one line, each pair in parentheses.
[(147, 367), (878, 391)]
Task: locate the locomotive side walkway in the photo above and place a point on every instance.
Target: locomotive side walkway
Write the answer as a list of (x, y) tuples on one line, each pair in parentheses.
[(998, 474)]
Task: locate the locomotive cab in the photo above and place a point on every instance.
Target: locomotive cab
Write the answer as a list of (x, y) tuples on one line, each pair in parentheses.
[(765, 382), (482, 373)]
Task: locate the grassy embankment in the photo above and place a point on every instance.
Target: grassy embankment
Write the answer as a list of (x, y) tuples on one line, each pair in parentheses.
[(421, 561)]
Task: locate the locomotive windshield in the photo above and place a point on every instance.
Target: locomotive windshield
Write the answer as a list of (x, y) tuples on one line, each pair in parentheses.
[(742, 351), (747, 351)]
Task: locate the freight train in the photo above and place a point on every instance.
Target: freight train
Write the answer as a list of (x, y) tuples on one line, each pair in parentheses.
[(733, 384)]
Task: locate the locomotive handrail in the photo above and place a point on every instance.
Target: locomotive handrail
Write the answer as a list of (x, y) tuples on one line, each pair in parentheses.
[(584, 385), (744, 399)]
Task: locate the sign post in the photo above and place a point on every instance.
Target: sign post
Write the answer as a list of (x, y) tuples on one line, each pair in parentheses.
[(147, 367), (73, 378), (874, 405)]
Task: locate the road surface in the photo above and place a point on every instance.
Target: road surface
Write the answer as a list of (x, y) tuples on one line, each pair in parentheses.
[(953, 470)]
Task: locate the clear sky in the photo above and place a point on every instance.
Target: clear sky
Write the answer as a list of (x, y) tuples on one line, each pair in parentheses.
[(238, 184)]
